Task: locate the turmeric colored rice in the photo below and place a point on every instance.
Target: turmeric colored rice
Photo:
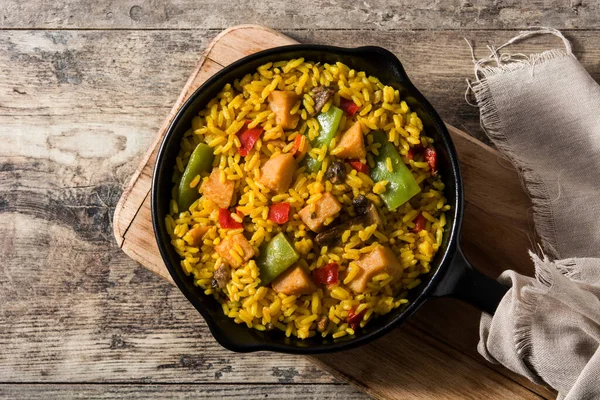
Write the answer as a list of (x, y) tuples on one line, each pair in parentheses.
[(413, 231)]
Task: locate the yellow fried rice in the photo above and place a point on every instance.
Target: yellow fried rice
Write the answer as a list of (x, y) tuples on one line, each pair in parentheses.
[(244, 298)]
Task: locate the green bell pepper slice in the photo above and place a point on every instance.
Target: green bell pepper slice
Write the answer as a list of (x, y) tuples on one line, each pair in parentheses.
[(277, 256), (402, 185), (200, 161), (329, 123)]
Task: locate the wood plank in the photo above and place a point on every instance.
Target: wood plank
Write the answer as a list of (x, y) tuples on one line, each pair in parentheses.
[(310, 14), (416, 370), (180, 391), (66, 74), (74, 308), (126, 210), (74, 94)]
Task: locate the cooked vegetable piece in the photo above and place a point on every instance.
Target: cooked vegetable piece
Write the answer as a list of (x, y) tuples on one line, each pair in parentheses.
[(297, 143), (329, 122), (322, 324), (226, 221), (277, 173), (372, 216), (293, 282), (279, 213), (402, 185), (248, 137), (200, 161), (378, 261), (334, 234), (281, 103), (419, 223), (196, 234), (327, 274), (354, 319), (277, 256), (359, 166), (349, 107), (228, 246), (321, 95), (221, 276), (430, 156), (220, 193), (351, 144), (327, 206), (336, 173), (361, 204)]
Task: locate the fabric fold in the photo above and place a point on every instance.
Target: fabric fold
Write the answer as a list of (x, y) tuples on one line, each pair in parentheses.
[(543, 112)]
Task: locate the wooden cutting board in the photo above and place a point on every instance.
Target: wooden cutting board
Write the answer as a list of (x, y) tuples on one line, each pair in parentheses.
[(433, 355)]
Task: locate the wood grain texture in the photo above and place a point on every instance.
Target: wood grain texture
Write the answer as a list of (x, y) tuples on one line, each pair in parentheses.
[(310, 14), (418, 359), (180, 391), (78, 109)]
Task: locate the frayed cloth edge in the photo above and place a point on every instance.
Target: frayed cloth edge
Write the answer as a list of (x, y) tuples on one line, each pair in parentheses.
[(491, 123)]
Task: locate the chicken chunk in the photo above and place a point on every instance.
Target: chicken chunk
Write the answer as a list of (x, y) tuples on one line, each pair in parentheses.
[(226, 249), (220, 193), (378, 261), (278, 172), (351, 144), (196, 234), (327, 206), (294, 282), (281, 103)]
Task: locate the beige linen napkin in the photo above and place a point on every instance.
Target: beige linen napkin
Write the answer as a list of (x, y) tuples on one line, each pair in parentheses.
[(543, 112)]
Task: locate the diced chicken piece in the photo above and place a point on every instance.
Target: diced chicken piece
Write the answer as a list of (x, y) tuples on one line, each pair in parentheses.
[(221, 276), (327, 206), (281, 103), (215, 190), (278, 172), (227, 247), (196, 234), (294, 282), (378, 261), (351, 144)]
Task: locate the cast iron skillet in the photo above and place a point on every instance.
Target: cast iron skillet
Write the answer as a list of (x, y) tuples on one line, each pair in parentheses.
[(450, 275)]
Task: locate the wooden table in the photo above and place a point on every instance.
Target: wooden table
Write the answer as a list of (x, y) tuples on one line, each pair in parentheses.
[(85, 86)]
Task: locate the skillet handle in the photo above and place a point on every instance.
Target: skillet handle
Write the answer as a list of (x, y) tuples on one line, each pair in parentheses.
[(465, 283)]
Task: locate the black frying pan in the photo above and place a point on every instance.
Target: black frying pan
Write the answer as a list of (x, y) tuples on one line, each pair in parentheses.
[(450, 275)]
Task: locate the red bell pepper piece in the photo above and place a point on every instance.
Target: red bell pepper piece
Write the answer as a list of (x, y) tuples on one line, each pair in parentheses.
[(226, 221), (248, 137), (354, 319), (297, 142), (327, 274), (348, 106), (430, 156), (419, 223), (279, 213), (360, 167)]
